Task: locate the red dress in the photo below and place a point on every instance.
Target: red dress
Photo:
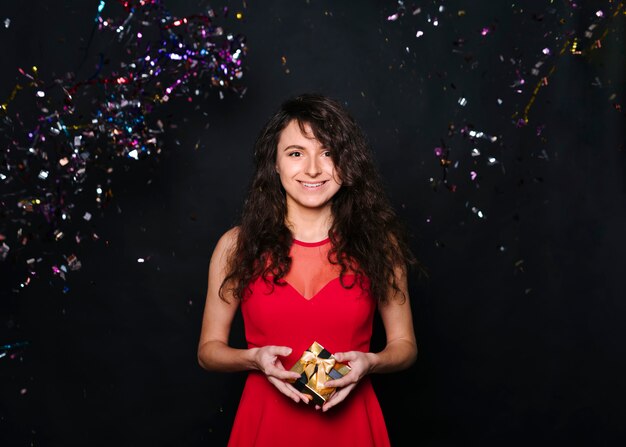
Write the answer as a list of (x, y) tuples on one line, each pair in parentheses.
[(312, 306)]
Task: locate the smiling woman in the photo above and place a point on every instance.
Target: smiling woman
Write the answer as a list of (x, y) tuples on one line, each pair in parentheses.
[(318, 250), (307, 174)]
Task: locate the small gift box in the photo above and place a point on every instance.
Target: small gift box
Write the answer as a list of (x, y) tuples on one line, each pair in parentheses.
[(316, 366)]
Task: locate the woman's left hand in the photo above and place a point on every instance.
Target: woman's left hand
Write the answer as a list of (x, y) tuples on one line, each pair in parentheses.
[(360, 364)]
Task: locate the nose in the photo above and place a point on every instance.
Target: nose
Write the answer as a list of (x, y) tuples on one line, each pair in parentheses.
[(313, 167)]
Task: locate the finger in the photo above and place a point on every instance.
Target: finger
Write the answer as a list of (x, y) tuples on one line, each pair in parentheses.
[(338, 383), (334, 400), (327, 406), (282, 351), (339, 356), (304, 397), (296, 397), (290, 392), (344, 357), (284, 374), (337, 397), (288, 374), (333, 384)]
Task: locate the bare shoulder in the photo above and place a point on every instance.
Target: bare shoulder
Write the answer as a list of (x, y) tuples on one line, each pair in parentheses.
[(229, 238), (226, 243)]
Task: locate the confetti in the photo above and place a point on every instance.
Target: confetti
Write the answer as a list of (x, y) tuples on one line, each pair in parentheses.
[(12, 348), (46, 163), (571, 44)]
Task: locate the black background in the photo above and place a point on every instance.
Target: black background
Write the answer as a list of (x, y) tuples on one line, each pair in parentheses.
[(520, 323)]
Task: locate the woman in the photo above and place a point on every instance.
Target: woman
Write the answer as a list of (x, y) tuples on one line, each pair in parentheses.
[(318, 250)]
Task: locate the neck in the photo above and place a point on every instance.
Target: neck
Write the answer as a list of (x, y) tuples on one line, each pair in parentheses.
[(309, 225)]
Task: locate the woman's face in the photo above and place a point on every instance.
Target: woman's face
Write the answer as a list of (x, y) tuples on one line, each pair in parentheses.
[(306, 169)]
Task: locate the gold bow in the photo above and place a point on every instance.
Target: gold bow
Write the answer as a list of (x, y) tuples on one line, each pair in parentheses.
[(317, 370)]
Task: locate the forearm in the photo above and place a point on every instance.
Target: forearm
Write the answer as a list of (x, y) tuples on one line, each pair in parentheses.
[(218, 356), (398, 355)]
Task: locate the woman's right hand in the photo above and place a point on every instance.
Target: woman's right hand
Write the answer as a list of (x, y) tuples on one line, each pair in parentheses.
[(267, 360)]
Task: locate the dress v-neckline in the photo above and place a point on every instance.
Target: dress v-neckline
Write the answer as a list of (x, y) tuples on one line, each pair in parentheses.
[(316, 294)]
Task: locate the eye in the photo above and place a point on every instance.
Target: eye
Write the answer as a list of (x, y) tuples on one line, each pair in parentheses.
[(295, 154), (327, 154)]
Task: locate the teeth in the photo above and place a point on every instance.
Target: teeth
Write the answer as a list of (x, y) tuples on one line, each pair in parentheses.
[(312, 185)]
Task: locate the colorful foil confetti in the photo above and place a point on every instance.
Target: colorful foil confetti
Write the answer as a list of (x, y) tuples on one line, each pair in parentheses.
[(62, 140)]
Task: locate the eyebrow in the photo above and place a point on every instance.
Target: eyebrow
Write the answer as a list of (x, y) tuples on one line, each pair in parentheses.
[(293, 146), (297, 146)]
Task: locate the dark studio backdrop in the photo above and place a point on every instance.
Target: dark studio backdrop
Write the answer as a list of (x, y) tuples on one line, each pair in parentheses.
[(519, 223)]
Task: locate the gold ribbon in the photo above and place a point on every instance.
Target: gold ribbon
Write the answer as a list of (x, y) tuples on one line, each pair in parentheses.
[(316, 370)]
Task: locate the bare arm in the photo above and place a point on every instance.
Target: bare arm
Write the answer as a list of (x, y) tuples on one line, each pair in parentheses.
[(400, 350), (214, 352)]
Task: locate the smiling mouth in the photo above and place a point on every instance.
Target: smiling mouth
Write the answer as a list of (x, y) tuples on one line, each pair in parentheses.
[(312, 185)]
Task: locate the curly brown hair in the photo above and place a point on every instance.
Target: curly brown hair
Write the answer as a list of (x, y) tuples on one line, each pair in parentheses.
[(366, 233)]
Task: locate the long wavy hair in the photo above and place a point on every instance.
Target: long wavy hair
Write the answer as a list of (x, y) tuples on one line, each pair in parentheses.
[(366, 235)]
